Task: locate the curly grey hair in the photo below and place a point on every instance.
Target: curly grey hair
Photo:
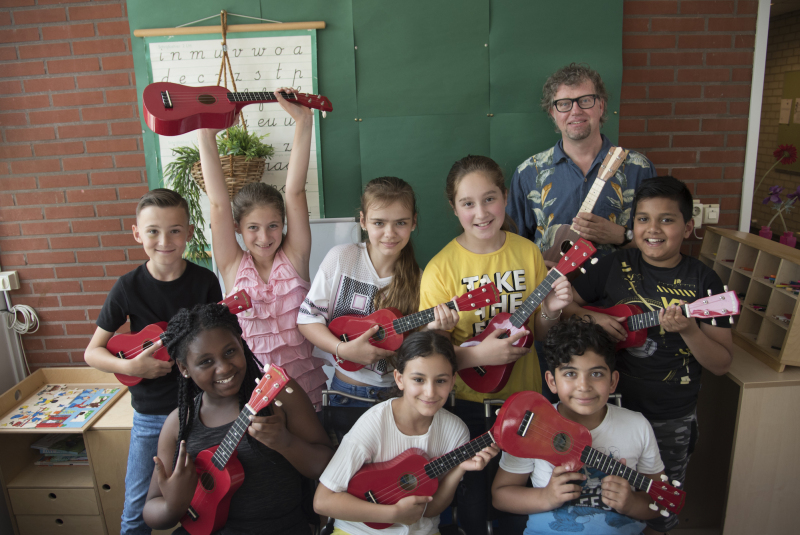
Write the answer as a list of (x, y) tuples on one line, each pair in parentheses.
[(571, 75)]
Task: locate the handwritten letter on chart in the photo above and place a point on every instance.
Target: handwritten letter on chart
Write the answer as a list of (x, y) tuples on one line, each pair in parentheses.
[(259, 64)]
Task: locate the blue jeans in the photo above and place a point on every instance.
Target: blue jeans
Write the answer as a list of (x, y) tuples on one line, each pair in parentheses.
[(360, 391), (144, 446)]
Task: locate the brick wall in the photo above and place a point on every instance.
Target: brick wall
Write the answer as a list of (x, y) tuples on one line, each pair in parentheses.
[(72, 162), (686, 94), (783, 55)]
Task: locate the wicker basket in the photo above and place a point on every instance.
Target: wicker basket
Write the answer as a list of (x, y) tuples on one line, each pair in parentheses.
[(237, 170)]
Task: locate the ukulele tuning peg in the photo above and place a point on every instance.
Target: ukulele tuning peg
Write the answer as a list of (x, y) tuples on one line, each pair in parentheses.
[(676, 483), (713, 322), (730, 319), (583, 271), (258, 381), (593, 261), (324, 114), (664, 513), (289, 390), (278, 403), (653, 506), (561, 253), (725, 287), (497, 412), (664, 477), (709, 292)]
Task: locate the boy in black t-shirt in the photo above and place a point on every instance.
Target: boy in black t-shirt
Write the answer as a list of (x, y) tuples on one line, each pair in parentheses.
[(661, 379), (151, 293)]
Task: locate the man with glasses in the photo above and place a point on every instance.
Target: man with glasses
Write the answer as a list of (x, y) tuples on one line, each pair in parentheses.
[(547, 189)]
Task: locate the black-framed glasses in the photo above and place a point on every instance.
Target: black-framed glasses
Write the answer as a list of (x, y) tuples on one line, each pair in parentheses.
[(565, 104)]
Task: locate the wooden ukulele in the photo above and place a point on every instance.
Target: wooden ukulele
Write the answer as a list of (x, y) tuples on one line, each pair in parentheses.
[(494, 378), (527, 426), (394, 326), (220, 473), (129, 346), (713, 306), (566, 235), (174, 109)]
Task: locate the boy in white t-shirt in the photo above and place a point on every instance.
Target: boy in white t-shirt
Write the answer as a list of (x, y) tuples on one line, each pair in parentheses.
[(580, 357)]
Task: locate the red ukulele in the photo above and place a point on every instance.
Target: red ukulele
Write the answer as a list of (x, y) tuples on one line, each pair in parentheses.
[(129, 346), (394, 326), (174, 109), (527, 426), (494, 378), (713, 306), (220, 473), (566, 234)]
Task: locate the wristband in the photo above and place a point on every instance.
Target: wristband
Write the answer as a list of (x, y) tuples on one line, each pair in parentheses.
[(548, 318)]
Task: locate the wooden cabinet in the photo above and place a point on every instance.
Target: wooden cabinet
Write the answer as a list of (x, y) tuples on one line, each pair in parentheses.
[(745, 263), (54, 499)]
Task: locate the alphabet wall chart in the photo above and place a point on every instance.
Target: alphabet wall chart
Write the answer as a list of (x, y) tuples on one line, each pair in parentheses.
[(262, 63)]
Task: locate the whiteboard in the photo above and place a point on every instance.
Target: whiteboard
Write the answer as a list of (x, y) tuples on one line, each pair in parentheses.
[(260, 63)]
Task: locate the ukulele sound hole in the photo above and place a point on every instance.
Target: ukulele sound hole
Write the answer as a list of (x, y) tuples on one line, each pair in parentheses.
[(207, 480), (408, 482), (146, 344), (566, 245), (562, 442), (205, 98), (380, 335)]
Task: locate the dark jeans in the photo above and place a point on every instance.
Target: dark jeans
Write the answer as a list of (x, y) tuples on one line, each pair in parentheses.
[(474, 495)]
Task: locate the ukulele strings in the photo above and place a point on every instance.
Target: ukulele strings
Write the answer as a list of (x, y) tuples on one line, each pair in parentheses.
[(181, 96), (389, 327)]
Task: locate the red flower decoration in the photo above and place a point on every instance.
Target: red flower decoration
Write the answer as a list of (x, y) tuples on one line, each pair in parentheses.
[(786, 153)]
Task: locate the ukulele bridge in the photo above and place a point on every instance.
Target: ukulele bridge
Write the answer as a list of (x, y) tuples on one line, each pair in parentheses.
[(525, 424), (480, 370), (166, 99), (371, 497), (192, 513)]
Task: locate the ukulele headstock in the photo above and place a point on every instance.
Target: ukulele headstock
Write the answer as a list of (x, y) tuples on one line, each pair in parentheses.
[(238, 302), (316, 102), (578, 253), (268, 387), (715, 306), (666, 498), (478, 298)]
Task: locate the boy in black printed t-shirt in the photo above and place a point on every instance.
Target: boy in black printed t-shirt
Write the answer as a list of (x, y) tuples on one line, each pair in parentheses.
[(151, 293), (660, 379)]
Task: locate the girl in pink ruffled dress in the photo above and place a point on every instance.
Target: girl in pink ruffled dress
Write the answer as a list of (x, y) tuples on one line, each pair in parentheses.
[(274, 269)]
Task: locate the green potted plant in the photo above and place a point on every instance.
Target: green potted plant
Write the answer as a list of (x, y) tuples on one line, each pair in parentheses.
[(243, 156)]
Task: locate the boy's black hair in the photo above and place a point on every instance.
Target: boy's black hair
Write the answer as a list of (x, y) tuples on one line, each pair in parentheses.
[(574, 337), (667, 187), (181, 331)]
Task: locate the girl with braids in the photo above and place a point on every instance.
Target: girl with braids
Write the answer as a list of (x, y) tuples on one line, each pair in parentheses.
[(359, 279), (218, 373), (487, 251), (426, 367), (274, 268)]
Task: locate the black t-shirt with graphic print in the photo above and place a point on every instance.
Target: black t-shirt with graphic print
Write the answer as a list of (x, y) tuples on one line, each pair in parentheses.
[(661, 379)]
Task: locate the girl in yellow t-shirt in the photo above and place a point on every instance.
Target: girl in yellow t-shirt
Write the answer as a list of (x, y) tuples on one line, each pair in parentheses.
[(487, 252)]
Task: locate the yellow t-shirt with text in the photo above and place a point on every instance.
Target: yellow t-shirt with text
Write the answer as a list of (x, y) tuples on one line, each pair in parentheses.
[(517, 268)]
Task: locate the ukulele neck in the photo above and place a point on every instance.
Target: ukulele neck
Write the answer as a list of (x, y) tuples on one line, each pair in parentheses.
[(521, 315), (645, 320), (592, 196), (232, 438), (607, 465), (417, 319), (261, 96), (448, 461)]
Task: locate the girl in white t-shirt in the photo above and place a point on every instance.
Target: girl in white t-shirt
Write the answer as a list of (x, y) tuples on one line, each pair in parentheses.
[(426, 366), (359, 279)]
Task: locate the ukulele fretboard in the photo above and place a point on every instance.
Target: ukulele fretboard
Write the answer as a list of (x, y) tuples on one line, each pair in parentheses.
[(417, 319), (608, 465), (525, 310), (643, 321), (260, 96), (232, 438), (592, 196), (448, 461)]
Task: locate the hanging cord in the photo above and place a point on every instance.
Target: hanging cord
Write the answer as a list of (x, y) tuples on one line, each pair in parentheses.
[(232, 15), (29, 323), (226, 61)]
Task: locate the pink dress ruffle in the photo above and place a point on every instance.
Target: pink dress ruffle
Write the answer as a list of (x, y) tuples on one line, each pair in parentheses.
[(270, 327)]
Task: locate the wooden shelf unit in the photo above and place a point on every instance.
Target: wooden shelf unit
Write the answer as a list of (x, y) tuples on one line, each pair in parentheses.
[(742, 261), (57, 499)]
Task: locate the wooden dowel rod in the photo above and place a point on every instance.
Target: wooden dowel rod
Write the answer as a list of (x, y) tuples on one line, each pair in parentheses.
[(238, 28)]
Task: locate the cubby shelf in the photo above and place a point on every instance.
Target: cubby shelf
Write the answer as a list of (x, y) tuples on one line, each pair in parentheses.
[(742, 261)]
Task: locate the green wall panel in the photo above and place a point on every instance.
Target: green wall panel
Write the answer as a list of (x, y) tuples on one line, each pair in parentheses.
[(421, 150)]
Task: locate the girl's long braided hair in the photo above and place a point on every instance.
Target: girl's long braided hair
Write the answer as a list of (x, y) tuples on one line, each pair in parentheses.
[(182, 330)]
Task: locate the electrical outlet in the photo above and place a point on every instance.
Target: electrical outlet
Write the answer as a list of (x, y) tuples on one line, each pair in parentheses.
[(711, 214), (9, 280), (697, 214)]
